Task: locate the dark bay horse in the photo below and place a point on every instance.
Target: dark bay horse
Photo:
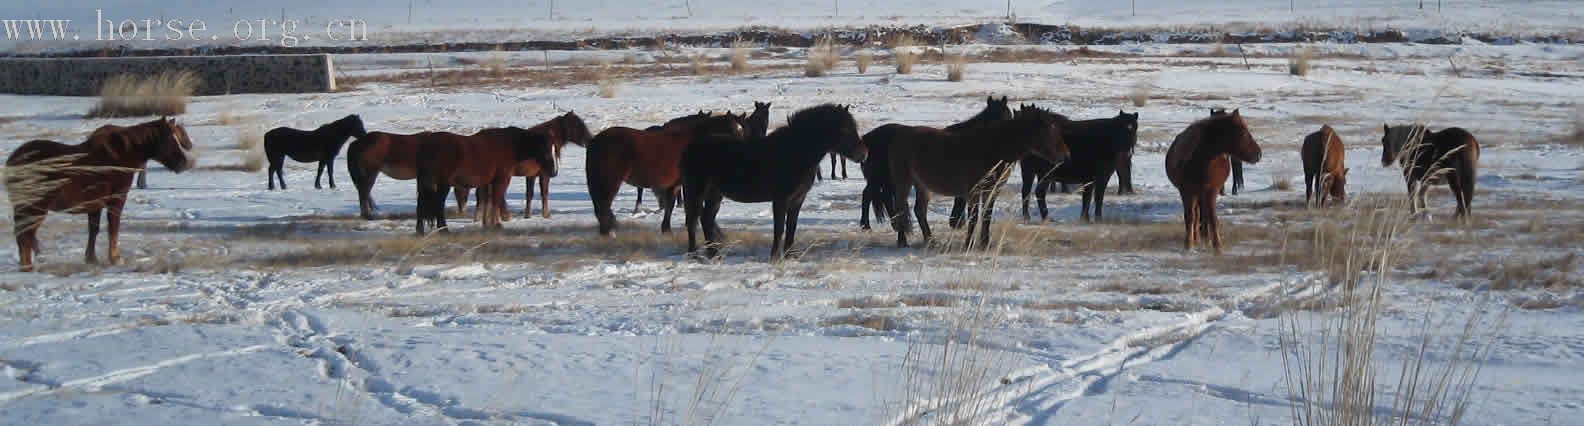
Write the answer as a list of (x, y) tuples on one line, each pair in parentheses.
[(778, 169), (971, 163), (754, 126), (1325, 171), (1198, 162), (1098, 146), (564, 129), (306, 146), (646, 159), (1237, 166), (877, 192), (394, 155), (1451, 154), (88, 178), (484, 161)]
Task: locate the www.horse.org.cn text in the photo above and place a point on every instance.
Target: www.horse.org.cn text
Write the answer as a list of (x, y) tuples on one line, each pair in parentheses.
[(286, 32)]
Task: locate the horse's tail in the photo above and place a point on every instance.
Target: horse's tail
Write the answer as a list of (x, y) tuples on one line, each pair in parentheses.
[(354, 159)]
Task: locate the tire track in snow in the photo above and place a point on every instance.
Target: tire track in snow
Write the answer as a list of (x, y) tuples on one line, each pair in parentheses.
[(96, 383), (1034, 395)]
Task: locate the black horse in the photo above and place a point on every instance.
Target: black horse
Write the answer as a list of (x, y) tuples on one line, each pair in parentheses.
[(778, 168), (305, 146), (1098, 147), (877, 169)]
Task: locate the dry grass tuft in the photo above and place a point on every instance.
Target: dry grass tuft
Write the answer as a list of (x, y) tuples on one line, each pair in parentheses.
[(739, 55), (863, 58), (700, 63), (1282, 183), (608, 84), (1141, 93), (956, 66), (1299, 64), (903, 54), (822, 57), (128, 95), (251, 141)]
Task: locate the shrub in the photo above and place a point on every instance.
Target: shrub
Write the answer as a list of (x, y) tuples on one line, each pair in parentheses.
[(902, 52), (128, 95), (739, 55), (863, 58), (1299, 64), (956, 66)]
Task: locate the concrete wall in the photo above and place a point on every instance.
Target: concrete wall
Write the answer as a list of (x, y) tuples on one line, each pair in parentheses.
[(219, 75)]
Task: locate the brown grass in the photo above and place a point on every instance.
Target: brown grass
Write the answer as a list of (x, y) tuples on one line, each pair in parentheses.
[(903, 54), (956, 66), (700, 64), (250, 140), (608, 83), (1298, 64), (473, 79), (128, 95), (740, 50), (863, 59), (1140, 93), (822, 57), (1282, 183)]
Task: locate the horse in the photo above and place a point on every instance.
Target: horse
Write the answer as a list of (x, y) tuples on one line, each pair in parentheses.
[(1325, 171), (1198, 162), (394, 155), (1426, 155), (970, 163), (877, 169), (88, 178), (754, 125), (564, 129), (318, 145), (646, 159), (485, 160), (758, 123), (1237, 166), (1098, 146), (778, 169)]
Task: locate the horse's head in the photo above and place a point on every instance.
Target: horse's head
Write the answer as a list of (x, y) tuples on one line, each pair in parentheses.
[(1232, 130), (574, 130), (759, 122), (1395, 140), (830, 123), (1130, 122), (996, 109), (171, 147), (528, 144), (1044, 129), (353, 125), (1335, 184)]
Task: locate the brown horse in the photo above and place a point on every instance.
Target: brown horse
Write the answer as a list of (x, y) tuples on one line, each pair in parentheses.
[(646, 159), (972, 162), (567, 128), (1325, 172), (755, 125), (485, 160), (1198, 162), (394, 155), (1427, 155), (90, 177), (318, 145)]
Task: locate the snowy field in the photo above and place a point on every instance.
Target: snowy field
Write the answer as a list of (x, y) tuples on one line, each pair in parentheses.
[(428, 21), (239, 305)]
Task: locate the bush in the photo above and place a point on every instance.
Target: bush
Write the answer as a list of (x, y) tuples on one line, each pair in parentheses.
[(864, 58), (902, 52), (128, 95), (739, 55), (1299, 64), (822, 57), (956, 66)]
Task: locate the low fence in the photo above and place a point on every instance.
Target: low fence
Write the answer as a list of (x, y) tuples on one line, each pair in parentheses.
[(219, 75)]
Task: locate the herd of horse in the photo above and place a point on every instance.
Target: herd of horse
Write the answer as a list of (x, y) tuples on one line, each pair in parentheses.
[(699, 160)]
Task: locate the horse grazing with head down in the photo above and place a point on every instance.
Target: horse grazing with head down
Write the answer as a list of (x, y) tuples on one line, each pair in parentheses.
[(564, 129), (647, 159), (1427, 157), (778, 169), (1325, 171), (485, 161), (971, 163), (877, 192), (1198, 162), (305, 146), (88, 178), (1098, 146)]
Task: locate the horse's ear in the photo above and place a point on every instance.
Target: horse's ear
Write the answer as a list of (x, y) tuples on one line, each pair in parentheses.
[(1345, 171), (1235, 112), (1386, 128)]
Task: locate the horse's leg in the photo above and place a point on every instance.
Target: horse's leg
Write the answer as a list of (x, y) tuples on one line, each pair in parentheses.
[(329, 164), (1099, 196), (270, 173), (666, 203), (365, 196), (1309, 188), (713, 237), (690, 212), (461, 194), (142, 179), (975, 201), (988, 212), (844, 166), (865, 198), (113, 215), (502, 214), (544, 197), (958, 212), (639, 203), (318, 173), (1212, 224), (778, 211), (900, 222), (1190, 222), (1124, 174), (93, 234), (1040, 191), (921, 200), (833, 158), (1462, 189), (25, 225), (1028, 185), (437, 204), (794, 207)]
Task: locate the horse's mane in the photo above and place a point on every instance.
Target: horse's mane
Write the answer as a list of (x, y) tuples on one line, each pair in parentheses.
[(1186, 144), (993, 110)]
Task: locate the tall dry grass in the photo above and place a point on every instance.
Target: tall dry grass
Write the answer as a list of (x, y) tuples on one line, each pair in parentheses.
[(1333, 373), (822, 58), (903, 54), (956, 66), (129, 95), (1140, 93), (740, 50), (607, 81), (863, 59), (250, 140), (1298, 64)]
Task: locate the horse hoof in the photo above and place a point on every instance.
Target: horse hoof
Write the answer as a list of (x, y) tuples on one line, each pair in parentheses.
[(25, 268), (547, 215)]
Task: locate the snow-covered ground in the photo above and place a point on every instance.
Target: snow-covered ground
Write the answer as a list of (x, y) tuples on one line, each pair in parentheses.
[(242, 305), (425, 21)]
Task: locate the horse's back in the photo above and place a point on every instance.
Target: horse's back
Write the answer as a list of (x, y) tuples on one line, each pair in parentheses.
[(1323, 152), (394, 155), (36, 150), (1452, 138)]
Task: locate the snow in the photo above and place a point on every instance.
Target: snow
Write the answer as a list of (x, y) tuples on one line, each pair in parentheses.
[(215, 319)]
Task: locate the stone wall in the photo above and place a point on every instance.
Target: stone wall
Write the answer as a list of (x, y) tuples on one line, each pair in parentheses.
[(219, 75)]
